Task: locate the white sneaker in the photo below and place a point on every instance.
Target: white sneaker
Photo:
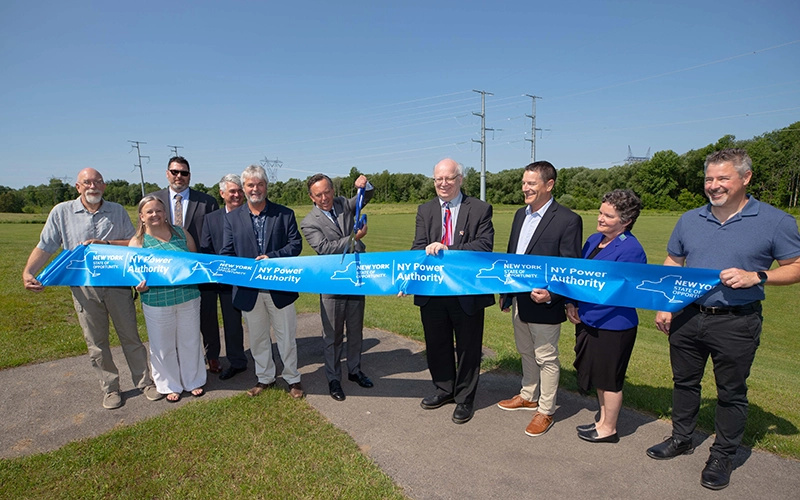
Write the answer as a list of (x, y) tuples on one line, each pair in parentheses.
[(112, 400), (151, 393)]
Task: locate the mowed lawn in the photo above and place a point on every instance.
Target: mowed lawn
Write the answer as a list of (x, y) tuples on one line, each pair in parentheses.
[(38, 327)]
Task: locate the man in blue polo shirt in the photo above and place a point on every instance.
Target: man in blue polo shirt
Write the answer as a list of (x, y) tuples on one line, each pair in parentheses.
[(741, 236)]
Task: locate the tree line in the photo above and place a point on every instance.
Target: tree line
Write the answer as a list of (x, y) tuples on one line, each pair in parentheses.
[(667, 181)]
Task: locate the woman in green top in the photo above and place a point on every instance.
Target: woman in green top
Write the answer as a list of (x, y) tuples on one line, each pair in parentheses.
[(172, 313)]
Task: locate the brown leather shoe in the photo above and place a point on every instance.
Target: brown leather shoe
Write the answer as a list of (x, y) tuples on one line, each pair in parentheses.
[(214, 366), (259, 388), (296, 390), (539, 425), (517, 403)]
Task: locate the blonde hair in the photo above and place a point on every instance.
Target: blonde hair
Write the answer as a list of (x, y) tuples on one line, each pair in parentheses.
[(140, 227)]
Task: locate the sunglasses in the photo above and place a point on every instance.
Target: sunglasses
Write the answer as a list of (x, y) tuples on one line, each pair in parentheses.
[(184, 173)]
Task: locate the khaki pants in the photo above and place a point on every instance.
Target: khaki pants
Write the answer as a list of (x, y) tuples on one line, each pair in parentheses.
[(94, 305)]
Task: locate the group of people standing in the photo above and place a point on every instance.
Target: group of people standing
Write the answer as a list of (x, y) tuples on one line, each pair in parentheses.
[(734, 233)]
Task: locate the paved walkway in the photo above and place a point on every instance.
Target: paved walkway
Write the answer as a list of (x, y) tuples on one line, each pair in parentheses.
[(47, 405)]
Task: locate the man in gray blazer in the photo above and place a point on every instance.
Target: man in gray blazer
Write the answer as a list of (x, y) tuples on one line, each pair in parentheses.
[(187, 209), (327, 229)]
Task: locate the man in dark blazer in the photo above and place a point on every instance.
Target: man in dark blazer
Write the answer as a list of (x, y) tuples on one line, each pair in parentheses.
[(188, 208), (261, 229), (327, 228), (543, 227), (230, 189), (454, 221)]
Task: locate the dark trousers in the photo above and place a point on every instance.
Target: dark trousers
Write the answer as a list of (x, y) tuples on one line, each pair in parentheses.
[(234, 333), (731, 340), (336, 312), (209, 322), (453, 373)]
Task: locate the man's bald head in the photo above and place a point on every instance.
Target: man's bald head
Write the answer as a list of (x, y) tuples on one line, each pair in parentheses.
[(91, 187)]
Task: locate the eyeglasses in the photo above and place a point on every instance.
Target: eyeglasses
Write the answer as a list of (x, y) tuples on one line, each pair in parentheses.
[(92, 183), (184, 173), (445, 180)]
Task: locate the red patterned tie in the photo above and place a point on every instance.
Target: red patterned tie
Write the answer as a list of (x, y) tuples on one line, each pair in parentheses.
[(447, 238)]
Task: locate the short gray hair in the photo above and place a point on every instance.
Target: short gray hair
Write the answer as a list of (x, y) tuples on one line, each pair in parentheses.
[(233, 178), (255, 172), (739, 157)]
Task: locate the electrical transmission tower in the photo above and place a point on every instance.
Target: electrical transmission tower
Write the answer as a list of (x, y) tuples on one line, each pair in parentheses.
[(636, 159), (532, 116), (482, 114), (271, 166), (174, 149), (135, 144)]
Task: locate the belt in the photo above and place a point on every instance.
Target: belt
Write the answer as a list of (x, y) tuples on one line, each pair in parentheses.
[(743, 309)]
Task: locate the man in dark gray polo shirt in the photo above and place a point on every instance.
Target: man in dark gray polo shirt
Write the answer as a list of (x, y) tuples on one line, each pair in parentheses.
[(742, 236), (90, 219)]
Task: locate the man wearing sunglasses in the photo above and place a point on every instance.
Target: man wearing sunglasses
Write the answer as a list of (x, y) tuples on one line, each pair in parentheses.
[(188, 209)]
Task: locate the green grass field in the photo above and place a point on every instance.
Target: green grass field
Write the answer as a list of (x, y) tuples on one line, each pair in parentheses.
[(39, 327)]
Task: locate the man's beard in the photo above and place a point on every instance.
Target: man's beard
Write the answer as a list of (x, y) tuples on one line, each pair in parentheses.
[(93, 198)]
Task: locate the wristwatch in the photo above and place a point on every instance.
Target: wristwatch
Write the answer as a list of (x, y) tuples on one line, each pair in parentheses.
[(762, 276)]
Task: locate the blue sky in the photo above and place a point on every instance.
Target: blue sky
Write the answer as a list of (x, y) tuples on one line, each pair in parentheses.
[(324, 86)]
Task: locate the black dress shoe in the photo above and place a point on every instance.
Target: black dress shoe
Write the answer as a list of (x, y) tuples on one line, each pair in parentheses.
[(592, 437), (436, 401), (335, 388), (717, 473), (585, 428), (360, 379), (463, 413), (670, 448), (231, 372)]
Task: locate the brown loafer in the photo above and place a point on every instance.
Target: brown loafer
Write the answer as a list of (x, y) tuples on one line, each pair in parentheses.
[(214, 366), (259, 388), (296, 390)]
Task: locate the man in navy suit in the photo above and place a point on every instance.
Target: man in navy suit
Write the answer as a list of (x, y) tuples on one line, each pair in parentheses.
[(453, 221), (188, 209), (261, 229), (542, 227), (230, 189)]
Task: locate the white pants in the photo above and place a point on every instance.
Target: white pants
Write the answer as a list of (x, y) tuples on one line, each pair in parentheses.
[(176, 346), (284, 324), (537, 345)]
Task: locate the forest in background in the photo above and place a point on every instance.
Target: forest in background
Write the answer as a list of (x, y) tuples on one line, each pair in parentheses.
[(667, 181)]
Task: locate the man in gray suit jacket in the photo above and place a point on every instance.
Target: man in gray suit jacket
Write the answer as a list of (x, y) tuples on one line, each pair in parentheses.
[(187, 209), (453, 221), (327, 229), (542, 227)]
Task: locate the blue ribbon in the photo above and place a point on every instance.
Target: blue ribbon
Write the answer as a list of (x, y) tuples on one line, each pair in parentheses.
[(452, 272), (358, 222)]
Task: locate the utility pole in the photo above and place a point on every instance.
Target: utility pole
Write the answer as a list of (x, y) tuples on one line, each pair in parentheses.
[(532, 116), (271, 166), (139, 165), (175, 149), (482, 114)]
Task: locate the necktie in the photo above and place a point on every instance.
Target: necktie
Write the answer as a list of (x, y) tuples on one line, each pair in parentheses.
[(447, 233), (179, 210), (332, 216)]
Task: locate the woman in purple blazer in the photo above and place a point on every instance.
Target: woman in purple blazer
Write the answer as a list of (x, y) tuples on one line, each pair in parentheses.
[(604, 335)]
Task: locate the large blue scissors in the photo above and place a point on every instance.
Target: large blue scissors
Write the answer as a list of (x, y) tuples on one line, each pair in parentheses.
[(359, 222)]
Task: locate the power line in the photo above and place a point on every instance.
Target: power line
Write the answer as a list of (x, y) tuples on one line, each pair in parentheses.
[(482, 114), (139, 165)]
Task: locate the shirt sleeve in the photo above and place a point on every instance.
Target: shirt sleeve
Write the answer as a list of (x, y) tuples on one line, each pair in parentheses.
[(50, 240), (675, 245), (787, 239)]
